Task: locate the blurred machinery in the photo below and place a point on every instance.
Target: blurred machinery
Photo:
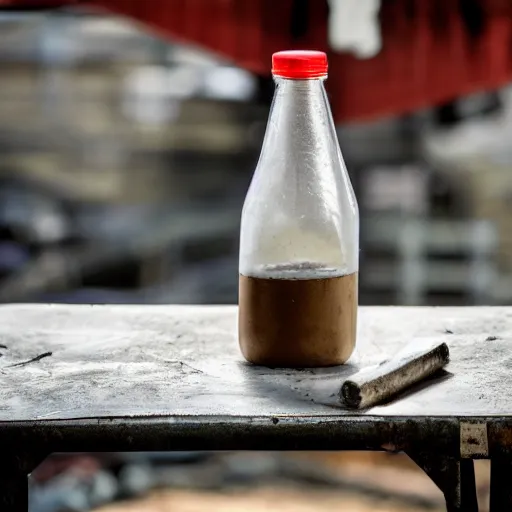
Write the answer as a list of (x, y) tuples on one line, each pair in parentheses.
[(124, 157)]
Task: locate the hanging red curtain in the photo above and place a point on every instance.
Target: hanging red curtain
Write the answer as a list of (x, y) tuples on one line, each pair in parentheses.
[(429, 55)]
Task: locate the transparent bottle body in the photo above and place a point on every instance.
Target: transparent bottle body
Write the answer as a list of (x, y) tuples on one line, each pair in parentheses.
[(299, 239), (300, 218)]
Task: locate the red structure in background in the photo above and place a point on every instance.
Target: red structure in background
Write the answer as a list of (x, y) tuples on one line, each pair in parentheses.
[(429, 56)]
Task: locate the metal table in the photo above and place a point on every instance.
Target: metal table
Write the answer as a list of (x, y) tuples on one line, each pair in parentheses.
[(140, 378)]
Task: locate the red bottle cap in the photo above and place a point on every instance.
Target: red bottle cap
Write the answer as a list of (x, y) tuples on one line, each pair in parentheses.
[(299, 64)]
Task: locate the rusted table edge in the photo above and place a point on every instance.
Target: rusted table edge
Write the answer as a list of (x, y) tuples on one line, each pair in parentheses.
[(475, 437), (279, 432)]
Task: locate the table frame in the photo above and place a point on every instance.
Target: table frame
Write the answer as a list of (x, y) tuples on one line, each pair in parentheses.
[(437, 445)]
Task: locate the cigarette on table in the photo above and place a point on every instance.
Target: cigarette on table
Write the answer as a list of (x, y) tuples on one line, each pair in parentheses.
[(374, 385)]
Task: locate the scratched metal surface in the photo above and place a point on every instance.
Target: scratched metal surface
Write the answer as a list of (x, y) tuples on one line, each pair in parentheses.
[(146, 361)]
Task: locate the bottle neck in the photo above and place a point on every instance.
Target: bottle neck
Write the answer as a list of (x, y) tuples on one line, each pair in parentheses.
[(299, 87), (305, 98), (300, 127)]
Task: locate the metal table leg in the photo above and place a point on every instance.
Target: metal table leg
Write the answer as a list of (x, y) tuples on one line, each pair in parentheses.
[(469, 500), (454, 477), (14, 472), (14, 493), (501, 490)]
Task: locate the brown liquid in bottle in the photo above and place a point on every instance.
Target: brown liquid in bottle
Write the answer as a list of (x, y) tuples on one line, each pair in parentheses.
[(286, 322)]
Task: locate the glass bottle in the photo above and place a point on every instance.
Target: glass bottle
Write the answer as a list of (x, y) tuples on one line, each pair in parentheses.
[(299, 240)]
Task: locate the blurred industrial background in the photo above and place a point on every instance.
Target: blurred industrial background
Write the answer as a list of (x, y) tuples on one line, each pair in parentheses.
[(126, 157)]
